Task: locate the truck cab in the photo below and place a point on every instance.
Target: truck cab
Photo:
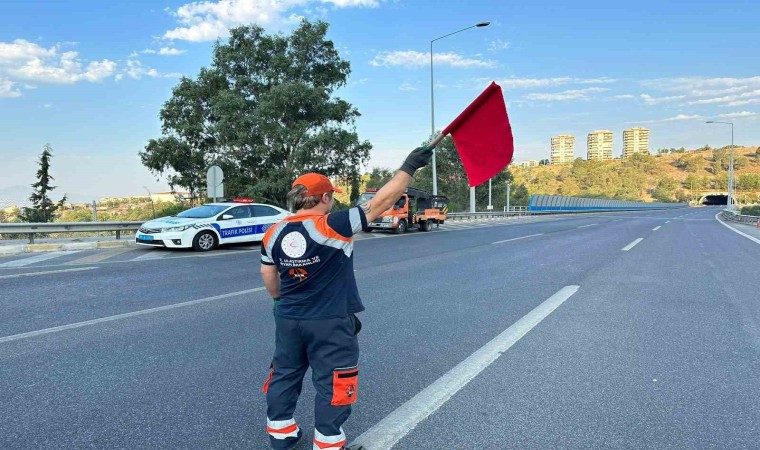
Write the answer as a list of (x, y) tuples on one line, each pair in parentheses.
[(415, 209)]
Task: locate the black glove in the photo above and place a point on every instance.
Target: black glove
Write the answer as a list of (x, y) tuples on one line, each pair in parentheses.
[(420, 157)]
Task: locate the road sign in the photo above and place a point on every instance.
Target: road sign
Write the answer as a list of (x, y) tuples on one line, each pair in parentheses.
[(215, 183)]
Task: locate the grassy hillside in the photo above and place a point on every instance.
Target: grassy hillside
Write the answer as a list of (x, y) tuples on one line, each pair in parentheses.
[(669, 177)]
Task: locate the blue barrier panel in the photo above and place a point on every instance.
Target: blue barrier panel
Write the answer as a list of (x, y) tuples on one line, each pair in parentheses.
[(558, 203)]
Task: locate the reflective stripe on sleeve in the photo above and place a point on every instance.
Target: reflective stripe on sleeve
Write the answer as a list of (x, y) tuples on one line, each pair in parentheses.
[(321, 239), (356, 219)]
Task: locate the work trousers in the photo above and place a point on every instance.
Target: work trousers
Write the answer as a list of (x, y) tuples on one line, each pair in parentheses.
[(330, 347)]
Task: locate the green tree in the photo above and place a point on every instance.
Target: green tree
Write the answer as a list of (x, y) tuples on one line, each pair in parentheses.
[(740, 162), (379, 176), (519, 196), (264, 111), (44, 208), (749, 181), (76, 215), (665, 190)]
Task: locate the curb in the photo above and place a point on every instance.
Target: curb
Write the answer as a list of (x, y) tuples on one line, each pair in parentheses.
[(73, 246)]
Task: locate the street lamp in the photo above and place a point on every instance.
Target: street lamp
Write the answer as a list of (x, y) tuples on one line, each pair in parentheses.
[(432, 99), (729, 204), (152, 206)]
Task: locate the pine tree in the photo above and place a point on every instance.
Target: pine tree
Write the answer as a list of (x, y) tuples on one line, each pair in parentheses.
[(44, 209)]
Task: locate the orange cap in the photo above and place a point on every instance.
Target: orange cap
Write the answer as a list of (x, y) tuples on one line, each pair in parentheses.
[(316, 184)]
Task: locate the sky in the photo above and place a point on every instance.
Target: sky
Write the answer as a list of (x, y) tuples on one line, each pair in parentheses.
[(90, 77)]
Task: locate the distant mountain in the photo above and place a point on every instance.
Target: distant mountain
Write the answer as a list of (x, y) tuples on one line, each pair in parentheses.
[(19, 196)]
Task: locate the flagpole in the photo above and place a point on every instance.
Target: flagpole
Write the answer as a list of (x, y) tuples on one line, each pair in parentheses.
[(432, 101)]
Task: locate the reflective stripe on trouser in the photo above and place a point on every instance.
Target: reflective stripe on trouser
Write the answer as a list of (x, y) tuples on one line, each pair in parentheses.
[(282, 429), (330, 347), (322, 442)]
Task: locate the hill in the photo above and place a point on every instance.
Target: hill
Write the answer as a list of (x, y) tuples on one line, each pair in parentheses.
[(669, 177)]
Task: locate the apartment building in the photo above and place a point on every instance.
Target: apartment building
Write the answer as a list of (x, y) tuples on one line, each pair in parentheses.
[(635, 140), (563, 149), (599, 145)]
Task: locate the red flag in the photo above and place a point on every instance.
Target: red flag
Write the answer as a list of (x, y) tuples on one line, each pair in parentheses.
[(483, 136)]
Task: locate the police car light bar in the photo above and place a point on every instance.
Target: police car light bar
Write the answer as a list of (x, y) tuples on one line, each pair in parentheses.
[(242, 200)]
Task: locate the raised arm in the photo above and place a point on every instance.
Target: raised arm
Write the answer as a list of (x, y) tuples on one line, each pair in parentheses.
[(391, 191)]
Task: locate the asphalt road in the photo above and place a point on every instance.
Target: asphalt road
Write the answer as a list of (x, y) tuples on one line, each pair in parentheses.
[(659, 347)]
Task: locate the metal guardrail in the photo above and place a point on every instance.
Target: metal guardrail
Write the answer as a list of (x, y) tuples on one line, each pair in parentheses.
[(32, 229), (739, 218), (485, 215)]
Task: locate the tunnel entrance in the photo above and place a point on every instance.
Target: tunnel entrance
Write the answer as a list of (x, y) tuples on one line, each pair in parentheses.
[(710, 200)]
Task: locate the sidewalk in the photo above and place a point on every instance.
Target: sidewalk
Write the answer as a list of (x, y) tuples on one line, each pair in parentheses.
[(748, 230), (16, 246)]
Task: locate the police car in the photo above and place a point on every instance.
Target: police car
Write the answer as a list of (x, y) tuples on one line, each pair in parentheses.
[(205, 227)]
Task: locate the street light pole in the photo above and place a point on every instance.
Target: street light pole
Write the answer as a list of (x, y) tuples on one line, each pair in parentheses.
[(152, 206), (730, 201), (432, 97)]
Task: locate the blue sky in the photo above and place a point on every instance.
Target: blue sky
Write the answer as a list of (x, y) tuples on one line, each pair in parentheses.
[(89, 77)]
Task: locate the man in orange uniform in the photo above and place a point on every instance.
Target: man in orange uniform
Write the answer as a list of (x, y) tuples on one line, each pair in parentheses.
[(307, 266)]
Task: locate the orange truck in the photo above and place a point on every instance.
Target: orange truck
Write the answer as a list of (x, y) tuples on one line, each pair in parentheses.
[(415, 209)]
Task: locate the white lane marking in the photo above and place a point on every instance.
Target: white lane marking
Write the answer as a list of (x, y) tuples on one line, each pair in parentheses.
[(17, 337), (667, 221), (591, 225), (753, 239), (100, 256), (386, 433), (35, 259), (49, 272), (632, 244), (617, 220), (656, 228), (152, 254), (517, 238)]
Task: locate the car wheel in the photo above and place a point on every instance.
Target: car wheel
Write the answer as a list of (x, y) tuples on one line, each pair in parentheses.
[(204, 241), (401, 229)]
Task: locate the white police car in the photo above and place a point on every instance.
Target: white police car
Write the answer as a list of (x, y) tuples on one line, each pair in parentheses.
[(205, 227)]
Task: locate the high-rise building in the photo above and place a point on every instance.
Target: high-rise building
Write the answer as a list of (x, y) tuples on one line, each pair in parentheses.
[(563, 149), (635, 140), (599, 145)]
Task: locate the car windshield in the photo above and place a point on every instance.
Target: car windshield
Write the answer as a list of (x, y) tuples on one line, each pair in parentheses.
[(202, 212), (364, 198)]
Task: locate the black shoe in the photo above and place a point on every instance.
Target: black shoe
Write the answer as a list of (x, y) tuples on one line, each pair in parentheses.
[(294, 443), (353, 447)]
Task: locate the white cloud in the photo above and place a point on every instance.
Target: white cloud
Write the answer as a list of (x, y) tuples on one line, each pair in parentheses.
[(498, 45), (745, 98), (168, 51), (24, 60), (407, 87), (649, 100), (736, 115), (681, 117), (208, 20), (625, 96), (136, 70), (164, 51), (530, 83), (47, 105), (7, 90), (413, 59), (352, 3), (573, 94), (693, 85)]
